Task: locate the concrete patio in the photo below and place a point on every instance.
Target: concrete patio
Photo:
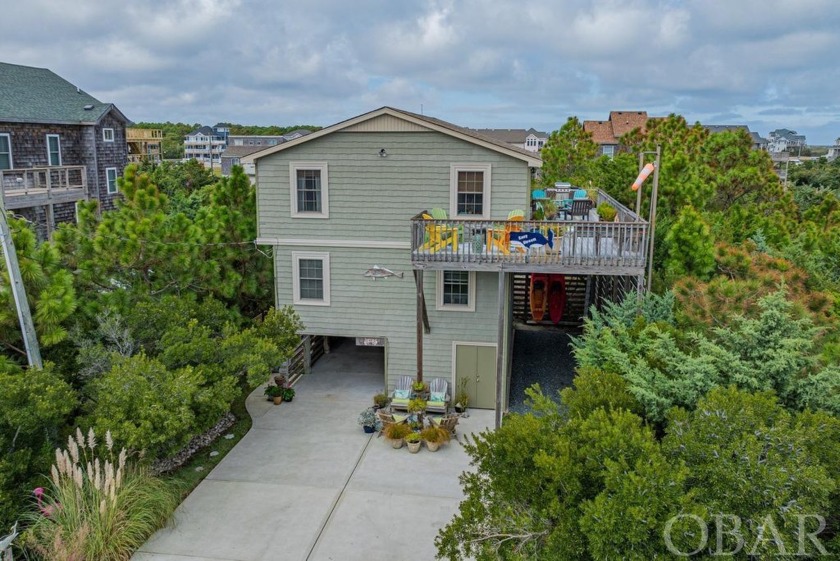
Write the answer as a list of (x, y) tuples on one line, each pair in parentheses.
[(307, 484)]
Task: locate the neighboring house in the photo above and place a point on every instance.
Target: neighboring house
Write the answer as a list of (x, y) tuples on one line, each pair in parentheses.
[(342, 206), (58, 145), (233, 155), (206, 144), (144, 145), (833, 151), (783, 140), (758, 143), (242, 145), (607, 134), (531, 140)]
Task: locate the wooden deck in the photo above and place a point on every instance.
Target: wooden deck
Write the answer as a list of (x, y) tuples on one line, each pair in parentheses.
[(549, 246), (29, 187)]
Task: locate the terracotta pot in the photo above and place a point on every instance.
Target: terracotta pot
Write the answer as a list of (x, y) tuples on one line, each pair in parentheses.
[(397, 443), (414, 447), (432, 446), (278, 400)]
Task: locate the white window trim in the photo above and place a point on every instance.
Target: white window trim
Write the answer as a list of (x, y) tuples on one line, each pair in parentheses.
[(453, 188), (325, 259), (108, 183), (105, 137), (439, 305), (58, 137), (325, 189), (9, 139)]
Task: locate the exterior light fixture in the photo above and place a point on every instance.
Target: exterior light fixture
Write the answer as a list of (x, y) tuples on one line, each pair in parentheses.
[(383, 153)]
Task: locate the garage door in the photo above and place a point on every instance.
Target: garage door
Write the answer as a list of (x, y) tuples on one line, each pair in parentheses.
[(477, 365)]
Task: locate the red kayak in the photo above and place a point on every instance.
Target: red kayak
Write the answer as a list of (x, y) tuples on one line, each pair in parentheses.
[(539, 286), (556, 297)]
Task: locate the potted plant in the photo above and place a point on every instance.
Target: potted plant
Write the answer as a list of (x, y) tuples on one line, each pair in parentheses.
[(421, 389), (462, 398), (434, 437), (416, 406), (549, 209), (380, 401), (368, 421), (413, 440), (396, 432), (275, 394), (288, 393), (606, 212)]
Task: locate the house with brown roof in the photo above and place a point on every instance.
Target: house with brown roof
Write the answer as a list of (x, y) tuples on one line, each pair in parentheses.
[(607, 134), (531, 139)]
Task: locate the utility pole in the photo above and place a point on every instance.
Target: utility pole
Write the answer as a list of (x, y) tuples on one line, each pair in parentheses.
[(27, 328), (652, 222)]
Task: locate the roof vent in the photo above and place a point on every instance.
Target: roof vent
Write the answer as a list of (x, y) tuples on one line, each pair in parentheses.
[(88, 107)]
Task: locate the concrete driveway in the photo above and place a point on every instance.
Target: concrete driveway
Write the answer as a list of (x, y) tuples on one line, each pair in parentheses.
[(307, 484)]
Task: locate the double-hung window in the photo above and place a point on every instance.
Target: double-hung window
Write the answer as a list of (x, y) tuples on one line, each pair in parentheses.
[(111, 177), (455, 291), (469, 190), (311, 278), (53, 150), (309, 183), (5, 151), (108, 135)]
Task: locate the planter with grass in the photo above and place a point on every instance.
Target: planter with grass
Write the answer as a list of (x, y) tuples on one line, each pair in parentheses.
[(396, 433), (380, 401), (434, 437), (413, 441)]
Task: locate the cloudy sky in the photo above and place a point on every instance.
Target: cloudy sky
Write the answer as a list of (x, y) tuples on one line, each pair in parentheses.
[(477, 63)]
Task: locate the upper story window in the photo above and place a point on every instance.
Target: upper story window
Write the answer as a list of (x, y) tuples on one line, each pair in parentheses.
[(53, 150), (311, 278), (470, 190), (608, 150), (108, 135), (309, 185), (455, 291), (5, 151), (111, 178)]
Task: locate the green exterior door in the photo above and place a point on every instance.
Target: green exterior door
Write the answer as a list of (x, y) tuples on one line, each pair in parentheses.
[(477, 365)]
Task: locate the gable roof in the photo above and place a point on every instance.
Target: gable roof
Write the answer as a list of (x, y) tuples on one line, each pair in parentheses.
[(240, 151), (423, 121), (38, 95), (619, 124), (511, 136), (205, 130)]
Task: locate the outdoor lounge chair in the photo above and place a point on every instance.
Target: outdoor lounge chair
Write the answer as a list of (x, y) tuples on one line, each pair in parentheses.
[(386, 418), (402, 393), (438, 401), (439, 234), (447, 422)]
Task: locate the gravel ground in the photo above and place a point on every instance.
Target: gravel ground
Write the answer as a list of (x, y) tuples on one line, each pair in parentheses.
[(541, 357)]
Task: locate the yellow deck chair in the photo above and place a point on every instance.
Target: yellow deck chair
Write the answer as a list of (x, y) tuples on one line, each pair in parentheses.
[(439, 235), (500, 238)]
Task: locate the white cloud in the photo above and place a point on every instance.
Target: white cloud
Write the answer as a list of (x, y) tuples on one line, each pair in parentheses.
[(503, 63)]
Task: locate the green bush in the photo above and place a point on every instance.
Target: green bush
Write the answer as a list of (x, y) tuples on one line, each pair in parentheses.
[(97, 505), (606, 212), (151, 408)]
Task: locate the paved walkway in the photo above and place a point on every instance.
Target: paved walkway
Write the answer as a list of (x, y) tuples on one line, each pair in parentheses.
[(306, 483)]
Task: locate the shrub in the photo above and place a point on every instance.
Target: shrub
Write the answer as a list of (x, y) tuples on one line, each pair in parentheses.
[(396, 431), (606, 212), (98, 505)]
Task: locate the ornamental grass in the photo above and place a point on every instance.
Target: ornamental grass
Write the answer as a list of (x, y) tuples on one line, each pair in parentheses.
[(97, 505)]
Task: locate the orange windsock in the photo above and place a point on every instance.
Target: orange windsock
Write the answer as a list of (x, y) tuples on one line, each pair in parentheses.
[(642, 176)]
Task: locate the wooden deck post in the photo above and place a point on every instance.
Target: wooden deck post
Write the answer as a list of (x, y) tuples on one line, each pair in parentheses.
[(500, 336), (418, 282), (307, 354)]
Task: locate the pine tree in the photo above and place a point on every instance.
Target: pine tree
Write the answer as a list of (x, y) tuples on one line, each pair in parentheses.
[(690, 246)]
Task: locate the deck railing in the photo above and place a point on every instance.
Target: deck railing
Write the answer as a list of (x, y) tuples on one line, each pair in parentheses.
[(52, 181), (497, 244)]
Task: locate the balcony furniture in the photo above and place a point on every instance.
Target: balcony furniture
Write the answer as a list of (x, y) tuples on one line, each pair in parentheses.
[(438, 235), (447, 422), (402, 393), (438, 401), (499, 238), (579, 209)]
